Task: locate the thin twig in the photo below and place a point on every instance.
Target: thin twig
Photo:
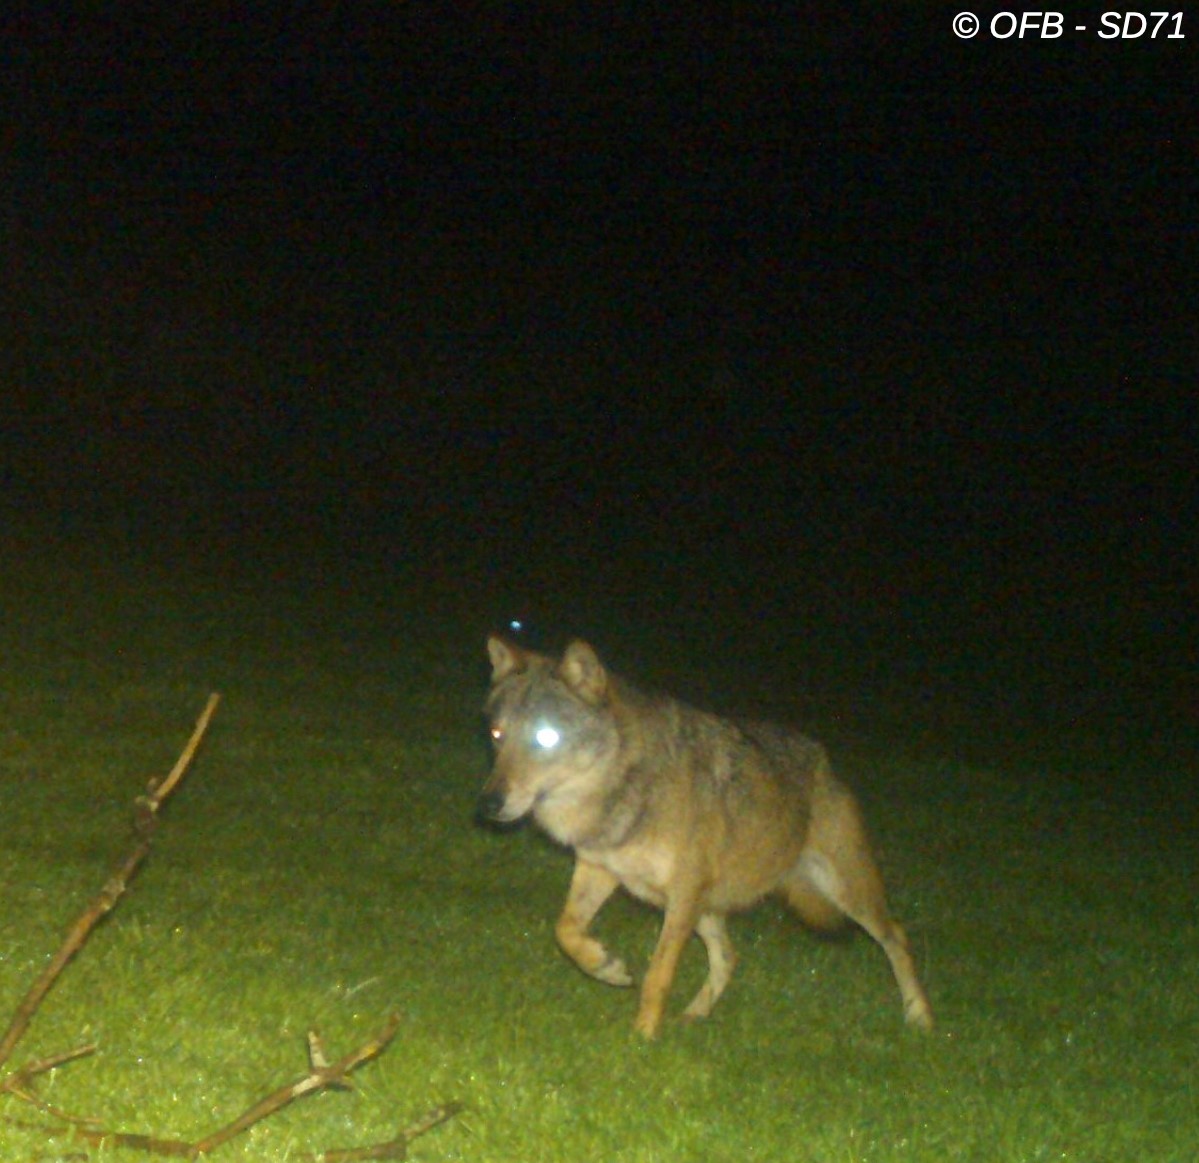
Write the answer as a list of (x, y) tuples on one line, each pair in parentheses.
[(20, 1083), (159, 792), (41, 1065), (396, 1148), (18, 1090), (175, 1148)]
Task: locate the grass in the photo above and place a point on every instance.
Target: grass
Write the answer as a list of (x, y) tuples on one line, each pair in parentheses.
[(319, 868)]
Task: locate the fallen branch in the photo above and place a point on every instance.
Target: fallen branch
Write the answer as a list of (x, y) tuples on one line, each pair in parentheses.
[(321, 1076), (317, 1078), (145, 820)]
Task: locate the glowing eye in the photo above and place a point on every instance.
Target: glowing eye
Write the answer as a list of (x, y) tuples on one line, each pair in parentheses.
[(547, 737), (497, 735)]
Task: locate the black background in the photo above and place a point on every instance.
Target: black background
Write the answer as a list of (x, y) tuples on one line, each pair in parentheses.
[(828, 339)]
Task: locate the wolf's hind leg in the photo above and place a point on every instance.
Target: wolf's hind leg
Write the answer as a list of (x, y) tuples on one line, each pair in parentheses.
[(590, 887), (857, 891), (722, 957)]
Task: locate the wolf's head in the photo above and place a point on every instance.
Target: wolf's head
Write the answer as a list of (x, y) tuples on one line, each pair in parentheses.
[(552, 732)]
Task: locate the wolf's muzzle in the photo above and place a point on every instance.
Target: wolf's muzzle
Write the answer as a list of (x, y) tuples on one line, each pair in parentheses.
[(491, 805), (494, 811)]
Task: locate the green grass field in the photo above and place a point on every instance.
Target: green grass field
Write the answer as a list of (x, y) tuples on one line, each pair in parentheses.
[(319, 868)]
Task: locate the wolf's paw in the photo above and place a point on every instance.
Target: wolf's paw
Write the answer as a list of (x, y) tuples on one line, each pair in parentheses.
[(613, 972), (919, 1016), (647, 1024)]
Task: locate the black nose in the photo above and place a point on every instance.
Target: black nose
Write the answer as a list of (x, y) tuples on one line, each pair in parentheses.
[(490, 805)]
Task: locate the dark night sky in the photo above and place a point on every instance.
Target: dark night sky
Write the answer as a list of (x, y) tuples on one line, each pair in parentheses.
[(829, 319)]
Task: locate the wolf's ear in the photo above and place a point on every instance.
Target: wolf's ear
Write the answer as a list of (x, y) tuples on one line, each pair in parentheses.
[(505, 658), (583, 672)]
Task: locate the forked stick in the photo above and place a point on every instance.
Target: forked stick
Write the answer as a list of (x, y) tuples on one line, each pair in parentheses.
[(109, 895), (319, 1076)]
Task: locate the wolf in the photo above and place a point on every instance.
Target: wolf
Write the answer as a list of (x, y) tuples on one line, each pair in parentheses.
[(694, 814)]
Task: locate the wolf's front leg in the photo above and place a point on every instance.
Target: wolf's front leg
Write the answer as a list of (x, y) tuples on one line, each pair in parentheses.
[(590, 887), (676, 930)]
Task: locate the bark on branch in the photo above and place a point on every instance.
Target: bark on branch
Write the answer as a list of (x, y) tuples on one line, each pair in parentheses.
[(146, 818)]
